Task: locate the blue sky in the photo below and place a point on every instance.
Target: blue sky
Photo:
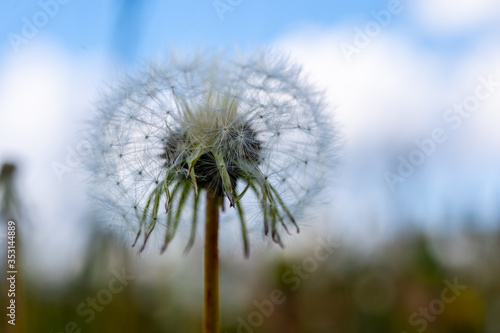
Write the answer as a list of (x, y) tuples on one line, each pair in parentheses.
[(80, 25), (151, 27)]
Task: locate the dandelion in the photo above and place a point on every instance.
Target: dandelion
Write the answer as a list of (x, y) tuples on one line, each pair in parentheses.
[(237, 131)]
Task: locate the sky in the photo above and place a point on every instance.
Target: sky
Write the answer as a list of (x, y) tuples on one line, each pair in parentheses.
[(407, 81), (156, 25)]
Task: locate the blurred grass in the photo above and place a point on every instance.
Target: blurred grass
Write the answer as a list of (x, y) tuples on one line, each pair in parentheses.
[(345, 293)]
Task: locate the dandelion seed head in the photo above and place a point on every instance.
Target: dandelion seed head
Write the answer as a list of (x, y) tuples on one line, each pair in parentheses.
[(225, 126)]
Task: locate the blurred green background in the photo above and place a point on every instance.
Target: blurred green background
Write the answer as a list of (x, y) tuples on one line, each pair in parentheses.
[(408, 285)]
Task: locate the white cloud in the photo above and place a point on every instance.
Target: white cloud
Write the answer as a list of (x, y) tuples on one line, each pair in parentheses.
[(455, 16), (480, 130), (43, 91), (392, 93), (32, 100), (388, 92)]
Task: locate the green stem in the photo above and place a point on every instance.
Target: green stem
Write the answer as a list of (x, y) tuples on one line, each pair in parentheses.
[(211, 310)]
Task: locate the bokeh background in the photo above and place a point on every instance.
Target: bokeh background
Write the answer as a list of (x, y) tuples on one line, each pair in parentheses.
[(398, 247)]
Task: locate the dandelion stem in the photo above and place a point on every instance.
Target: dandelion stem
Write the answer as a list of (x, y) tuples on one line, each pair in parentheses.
[(211, 306)]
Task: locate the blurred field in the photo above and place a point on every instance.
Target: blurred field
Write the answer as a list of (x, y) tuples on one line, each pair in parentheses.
[(400, 287)]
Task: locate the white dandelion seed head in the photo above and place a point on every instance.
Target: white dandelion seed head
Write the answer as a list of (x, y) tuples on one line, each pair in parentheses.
[(250, 130)]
